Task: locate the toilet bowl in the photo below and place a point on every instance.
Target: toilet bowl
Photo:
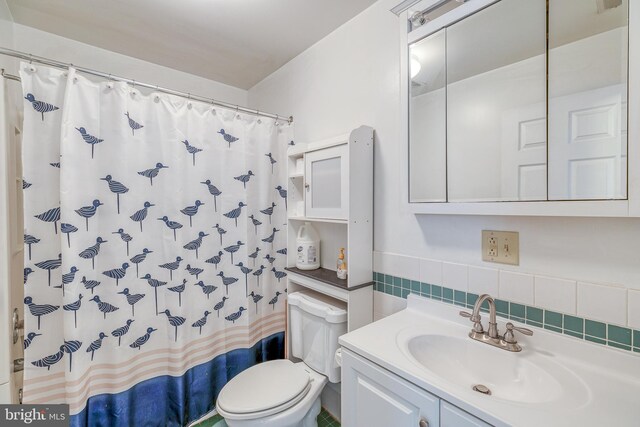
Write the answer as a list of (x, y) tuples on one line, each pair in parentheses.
[(281, 393)]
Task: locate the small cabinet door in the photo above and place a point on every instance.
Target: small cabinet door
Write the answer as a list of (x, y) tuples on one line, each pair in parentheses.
[(373, 397), (327, 183), (452, 416)]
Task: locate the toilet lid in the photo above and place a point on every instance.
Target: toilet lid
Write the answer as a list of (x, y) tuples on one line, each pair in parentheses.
[(264, 386)]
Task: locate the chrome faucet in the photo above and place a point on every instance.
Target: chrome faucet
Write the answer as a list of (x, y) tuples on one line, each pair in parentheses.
[(507, 342)]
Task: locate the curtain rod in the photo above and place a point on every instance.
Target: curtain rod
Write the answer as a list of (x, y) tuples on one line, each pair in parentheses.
[(59, 64)]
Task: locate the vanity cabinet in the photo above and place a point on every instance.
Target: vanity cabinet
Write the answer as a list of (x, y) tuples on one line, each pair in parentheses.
[(374, 397)]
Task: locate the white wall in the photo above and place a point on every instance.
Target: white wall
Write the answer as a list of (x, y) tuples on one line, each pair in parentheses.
[(351, 77), (36, 42)]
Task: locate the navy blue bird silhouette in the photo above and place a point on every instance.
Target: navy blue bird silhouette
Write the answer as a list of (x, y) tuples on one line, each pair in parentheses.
[(271, 237), (126, 238), (95, 345), (89, 139), (155, 284), (258, 273), (245, 271), (29, 339), (25, 184), (201, 322), (256, 298), (153, 172), (233, 249), (235, 316), (274, 300), (133, 124), (271, 160), (190, 211), (132, 299), (68, 229), (255, 222), (283, 194), (227, 137), (206, 289), (139, 342), (269, 258), (40, 106), (68, 277), (279, 274), (235, 213), (173, 225), (117, 273), (226, 281), (92, 251), (220, 230), (48, 361), (196, 243), (194, 271), (122, 331), (220, 305), (269, 211), (137, 259), (89, 284), (214, 192), (55, 165), (70, 347), (27, 272), (104, 307), (282, 251), (140, 215), (179, 289), (74, 306), (215, 260), (174, 321), (89, 211), (52, 215), (192, 150), (116, 187), (39, 310), (30, 240), (254, 255), (171, 266), (244, 178), (50, 264)]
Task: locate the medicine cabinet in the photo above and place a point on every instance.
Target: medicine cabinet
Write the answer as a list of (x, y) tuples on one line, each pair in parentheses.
[(528, 103)]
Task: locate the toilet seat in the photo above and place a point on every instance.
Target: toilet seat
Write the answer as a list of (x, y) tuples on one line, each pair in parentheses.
[(264, 389)]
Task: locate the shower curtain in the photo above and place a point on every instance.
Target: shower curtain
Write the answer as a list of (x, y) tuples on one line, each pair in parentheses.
[(155, 247)]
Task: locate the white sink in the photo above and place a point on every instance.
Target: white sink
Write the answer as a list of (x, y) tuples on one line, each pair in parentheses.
[(525, 378)]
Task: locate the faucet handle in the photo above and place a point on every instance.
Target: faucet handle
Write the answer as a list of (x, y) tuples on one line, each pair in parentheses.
[(465, 314), (510, 338), (477, 325)]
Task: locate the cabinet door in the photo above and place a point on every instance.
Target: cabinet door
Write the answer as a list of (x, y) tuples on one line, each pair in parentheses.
[(327, 183), (373, 397), (452, 416)]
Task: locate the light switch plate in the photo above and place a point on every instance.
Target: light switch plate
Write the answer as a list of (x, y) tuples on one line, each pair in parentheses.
[(501, 246)]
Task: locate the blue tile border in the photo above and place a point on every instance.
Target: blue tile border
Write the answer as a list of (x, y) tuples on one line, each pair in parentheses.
[(575, 326)]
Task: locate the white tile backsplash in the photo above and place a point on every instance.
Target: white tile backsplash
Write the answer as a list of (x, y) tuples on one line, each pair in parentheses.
[(555, 294), (633, 309), (397, 265), (516, 287), (604, 303), (455, 276), (431, 272), (483, 280), (385, 305)]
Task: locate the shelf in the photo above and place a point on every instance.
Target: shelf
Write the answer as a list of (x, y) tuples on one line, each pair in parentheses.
[(296, 175), (327, 276), (329, 220)]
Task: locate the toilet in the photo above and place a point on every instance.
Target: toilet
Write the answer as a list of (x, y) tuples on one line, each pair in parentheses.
[(282, 393)]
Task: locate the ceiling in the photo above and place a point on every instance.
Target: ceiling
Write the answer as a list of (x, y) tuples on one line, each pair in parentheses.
[(237, 42)]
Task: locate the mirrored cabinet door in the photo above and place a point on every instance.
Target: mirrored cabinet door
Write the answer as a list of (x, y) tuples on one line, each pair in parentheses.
[(588, 63), (496, 104), (428, 118)]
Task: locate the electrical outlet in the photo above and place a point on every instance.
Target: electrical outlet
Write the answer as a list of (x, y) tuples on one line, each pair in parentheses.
[(501, 247)]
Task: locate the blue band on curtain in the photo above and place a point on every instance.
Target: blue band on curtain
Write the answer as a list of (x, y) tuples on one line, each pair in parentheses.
[(150, 403)]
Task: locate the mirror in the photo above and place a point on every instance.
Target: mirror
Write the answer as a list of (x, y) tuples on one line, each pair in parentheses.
[(497, 113), (588, 49)]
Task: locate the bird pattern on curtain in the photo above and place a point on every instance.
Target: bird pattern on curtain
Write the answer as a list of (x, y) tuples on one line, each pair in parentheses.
[(144, 218)]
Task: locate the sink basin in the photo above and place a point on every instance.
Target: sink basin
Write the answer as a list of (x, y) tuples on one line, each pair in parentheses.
[(524, 378)]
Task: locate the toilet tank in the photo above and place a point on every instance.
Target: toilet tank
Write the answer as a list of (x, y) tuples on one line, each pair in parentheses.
[(315, 324)]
